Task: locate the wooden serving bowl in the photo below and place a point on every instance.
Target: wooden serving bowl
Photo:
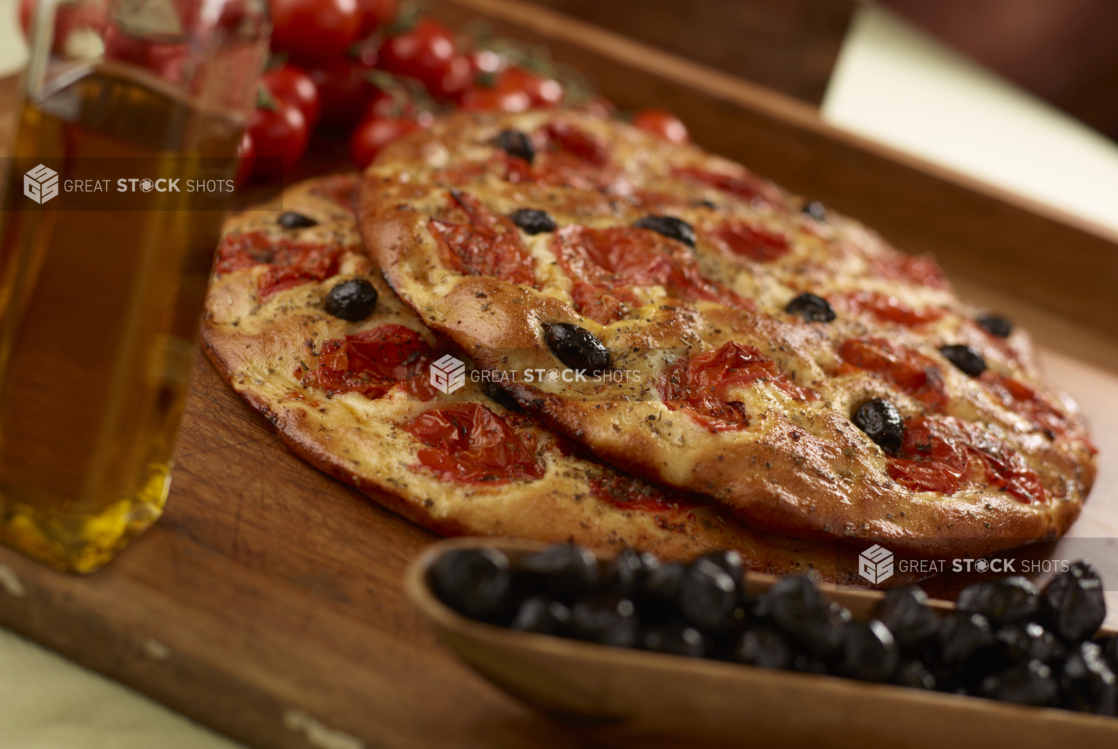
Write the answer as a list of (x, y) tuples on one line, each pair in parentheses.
[(637, 698)]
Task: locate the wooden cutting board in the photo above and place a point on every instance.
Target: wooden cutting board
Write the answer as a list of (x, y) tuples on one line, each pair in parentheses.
[(268, 602)]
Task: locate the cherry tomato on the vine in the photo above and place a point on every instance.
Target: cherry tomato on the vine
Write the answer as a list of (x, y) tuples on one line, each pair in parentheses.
[(543, 92), (375, 14), (665, 124), (483, 99), (424, 53), (279, 137), (375, 133), (314, 31), (455, 80), (382, 104), (295, 86), (344, 88)]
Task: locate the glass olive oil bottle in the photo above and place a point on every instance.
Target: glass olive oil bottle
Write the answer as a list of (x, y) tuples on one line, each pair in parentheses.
[(100, 294)]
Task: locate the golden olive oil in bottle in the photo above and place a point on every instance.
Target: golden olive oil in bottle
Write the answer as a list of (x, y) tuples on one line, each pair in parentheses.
[(100, 297)]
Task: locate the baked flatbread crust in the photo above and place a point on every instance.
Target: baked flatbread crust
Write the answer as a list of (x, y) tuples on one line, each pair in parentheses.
[(434, 211), (265, 345)]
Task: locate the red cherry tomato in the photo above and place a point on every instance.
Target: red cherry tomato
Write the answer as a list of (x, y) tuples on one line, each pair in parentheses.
[(279, 137), (455, 80), (344, 88), (381, 104), (245, 152), (375, 14), (294, 86), (314, 31), (374, 134), (665, 124), (424, 53), (481, 99), (543, 92)]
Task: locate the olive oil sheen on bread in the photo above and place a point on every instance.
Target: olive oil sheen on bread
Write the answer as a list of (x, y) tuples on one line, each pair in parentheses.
[(100, 311)]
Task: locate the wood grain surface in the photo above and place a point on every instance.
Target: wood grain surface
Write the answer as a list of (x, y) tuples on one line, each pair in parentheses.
[(268, 602)]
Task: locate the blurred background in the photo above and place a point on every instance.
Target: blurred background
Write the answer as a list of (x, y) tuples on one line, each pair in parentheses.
[(1063, 51)]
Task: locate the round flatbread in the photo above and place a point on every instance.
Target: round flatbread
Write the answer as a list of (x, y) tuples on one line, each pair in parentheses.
[(356, 400), (775, 356)]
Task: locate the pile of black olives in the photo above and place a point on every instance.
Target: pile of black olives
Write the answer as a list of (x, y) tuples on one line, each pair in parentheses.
[(1007, 640)]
